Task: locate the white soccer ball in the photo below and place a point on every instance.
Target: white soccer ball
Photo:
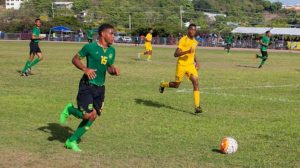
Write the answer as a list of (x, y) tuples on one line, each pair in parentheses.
[(228, 145)]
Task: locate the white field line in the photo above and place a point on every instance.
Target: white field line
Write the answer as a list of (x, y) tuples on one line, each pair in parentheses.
[(273, 99), (236, 87)]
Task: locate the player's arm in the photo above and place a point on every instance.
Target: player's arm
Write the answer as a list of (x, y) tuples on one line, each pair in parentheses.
[(179, 52), (91, 73), (147, 40), (197, 65), (261, 43)]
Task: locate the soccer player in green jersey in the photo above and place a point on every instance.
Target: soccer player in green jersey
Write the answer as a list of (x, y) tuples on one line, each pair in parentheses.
[(264, 42), (90, 35), (34, 49), (100, 57), (228, 43)]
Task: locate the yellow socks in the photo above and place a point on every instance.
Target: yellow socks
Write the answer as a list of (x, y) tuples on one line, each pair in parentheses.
[(164, 84), (149, 57), (197, 98)]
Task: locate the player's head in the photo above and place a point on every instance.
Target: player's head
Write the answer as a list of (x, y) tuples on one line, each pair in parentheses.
[(268, 33), (107, 31), (192, 30), (150, 30), (38, 22)]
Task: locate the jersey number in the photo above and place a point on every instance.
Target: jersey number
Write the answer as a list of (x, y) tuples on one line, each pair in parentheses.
[(103, 60)]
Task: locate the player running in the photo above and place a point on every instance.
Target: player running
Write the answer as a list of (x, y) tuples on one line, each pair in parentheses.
[(228, 43), (34, 49), (100, 57), (148, 46), (264, 42), (187, 64)]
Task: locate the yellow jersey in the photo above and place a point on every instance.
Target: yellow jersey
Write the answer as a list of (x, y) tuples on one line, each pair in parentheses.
[(148, 38), (185, 44)]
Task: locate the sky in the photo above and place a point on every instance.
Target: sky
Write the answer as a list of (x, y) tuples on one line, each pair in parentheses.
[(288, 2)]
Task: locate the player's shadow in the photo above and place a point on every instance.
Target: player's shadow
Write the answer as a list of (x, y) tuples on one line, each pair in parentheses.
[(246, 66), (217, 151), (158, 105), (57, 132)]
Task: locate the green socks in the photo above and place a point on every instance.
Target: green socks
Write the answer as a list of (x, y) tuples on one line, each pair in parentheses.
[(262, 62), (34, 62), (82, 128), (75, 112), (26, 66)]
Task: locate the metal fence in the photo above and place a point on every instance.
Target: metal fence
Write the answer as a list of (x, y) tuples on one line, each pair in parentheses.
[(205, 41)]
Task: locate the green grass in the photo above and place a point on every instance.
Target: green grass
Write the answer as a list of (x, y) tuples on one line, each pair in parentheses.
[(143, 128)]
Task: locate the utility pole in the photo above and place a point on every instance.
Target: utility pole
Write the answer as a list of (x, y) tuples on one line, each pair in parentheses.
[(52, 10), (129, 21), (181, 12)]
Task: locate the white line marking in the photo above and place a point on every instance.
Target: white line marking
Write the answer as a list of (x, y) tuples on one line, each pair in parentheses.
[(243, 87), (273, 99)]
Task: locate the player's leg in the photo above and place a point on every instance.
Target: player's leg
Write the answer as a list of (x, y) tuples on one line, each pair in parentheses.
[(260, 56), (38, 54), (85, 111), (149, 55), (228, 48), (193, 76), (29, 60), (175, 84), (264, 58)]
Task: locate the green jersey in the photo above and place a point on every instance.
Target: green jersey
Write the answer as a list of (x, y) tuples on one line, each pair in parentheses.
[(36, 33), (90, 34), (229, 40), (266, 41), (99, 59)]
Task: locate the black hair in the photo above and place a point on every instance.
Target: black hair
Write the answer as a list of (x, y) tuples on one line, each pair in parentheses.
[(267, 32), (37, 19), (103, 27), (192, 25)]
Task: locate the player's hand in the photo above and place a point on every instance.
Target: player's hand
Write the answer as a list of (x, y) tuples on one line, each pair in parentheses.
[(191, 50), (91, 73), (117, 71), (113, 70)]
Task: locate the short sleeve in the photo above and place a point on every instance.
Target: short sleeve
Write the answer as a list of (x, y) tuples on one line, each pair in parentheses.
[(84, 51), (35, 31), (111, 57), (181, 43), (148, 37)]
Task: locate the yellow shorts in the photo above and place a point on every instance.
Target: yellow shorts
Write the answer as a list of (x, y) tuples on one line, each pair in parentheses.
[(188, 70), (148, 46)]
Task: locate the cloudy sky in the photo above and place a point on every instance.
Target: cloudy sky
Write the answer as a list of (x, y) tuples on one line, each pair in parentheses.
[(288, 2)]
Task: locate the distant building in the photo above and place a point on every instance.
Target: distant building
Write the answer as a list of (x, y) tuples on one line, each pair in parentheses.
[(13, 4), (292, 7), (64, 5), (212, 16)]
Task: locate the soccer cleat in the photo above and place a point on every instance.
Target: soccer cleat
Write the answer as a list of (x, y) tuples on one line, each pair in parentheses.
[(72, 145), (161, 89), (259, 66), (65, 114), (28, 71), (198, 110), (24, 74)]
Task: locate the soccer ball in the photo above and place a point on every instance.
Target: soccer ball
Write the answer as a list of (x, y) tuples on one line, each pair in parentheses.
[(228, 145)]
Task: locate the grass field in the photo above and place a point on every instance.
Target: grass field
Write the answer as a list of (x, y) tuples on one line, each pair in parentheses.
[(140, 127)]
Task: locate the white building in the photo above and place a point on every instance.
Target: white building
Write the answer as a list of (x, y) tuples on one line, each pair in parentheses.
[(212, 16), (63, 5), (13, 4)]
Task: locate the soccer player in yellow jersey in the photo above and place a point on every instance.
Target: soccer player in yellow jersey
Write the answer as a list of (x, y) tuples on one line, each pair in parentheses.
[(187, 64), (148, 46)]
